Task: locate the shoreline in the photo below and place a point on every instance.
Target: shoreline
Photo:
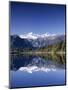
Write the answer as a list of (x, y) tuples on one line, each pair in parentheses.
[(38, 52)]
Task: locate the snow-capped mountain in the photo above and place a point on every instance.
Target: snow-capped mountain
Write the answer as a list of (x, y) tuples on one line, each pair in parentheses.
[(31, 40), (31, 35), (39, 40)]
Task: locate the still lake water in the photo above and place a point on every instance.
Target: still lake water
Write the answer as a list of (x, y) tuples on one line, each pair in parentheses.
[(34, 70)]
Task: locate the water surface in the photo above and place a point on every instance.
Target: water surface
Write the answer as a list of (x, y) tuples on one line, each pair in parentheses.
[(37, 70)]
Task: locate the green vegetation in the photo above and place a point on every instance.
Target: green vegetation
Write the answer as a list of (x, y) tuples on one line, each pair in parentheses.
[(57, 47)]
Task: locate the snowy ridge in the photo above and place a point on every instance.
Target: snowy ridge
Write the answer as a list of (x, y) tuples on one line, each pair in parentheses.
[(35, 69), (31, 35)]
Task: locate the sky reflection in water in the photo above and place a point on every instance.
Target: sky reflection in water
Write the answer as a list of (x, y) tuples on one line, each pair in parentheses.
[(36, 70)]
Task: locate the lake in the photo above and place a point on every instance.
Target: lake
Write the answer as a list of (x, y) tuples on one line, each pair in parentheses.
[(37, 70)]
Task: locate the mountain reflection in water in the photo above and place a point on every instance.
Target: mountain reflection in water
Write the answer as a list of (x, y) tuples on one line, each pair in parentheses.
[(37, 70), (34, 63)]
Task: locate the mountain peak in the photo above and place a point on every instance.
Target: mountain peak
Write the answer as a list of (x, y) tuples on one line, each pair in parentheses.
[(31, 35)]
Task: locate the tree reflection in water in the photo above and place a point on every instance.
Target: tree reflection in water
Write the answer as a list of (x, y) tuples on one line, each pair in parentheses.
[(37, 61)]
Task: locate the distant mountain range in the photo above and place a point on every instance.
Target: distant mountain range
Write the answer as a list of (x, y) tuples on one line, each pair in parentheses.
[(33, 36), (31, 40)]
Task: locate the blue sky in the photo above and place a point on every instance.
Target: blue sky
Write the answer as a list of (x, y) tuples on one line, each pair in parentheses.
[(36, 18)]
